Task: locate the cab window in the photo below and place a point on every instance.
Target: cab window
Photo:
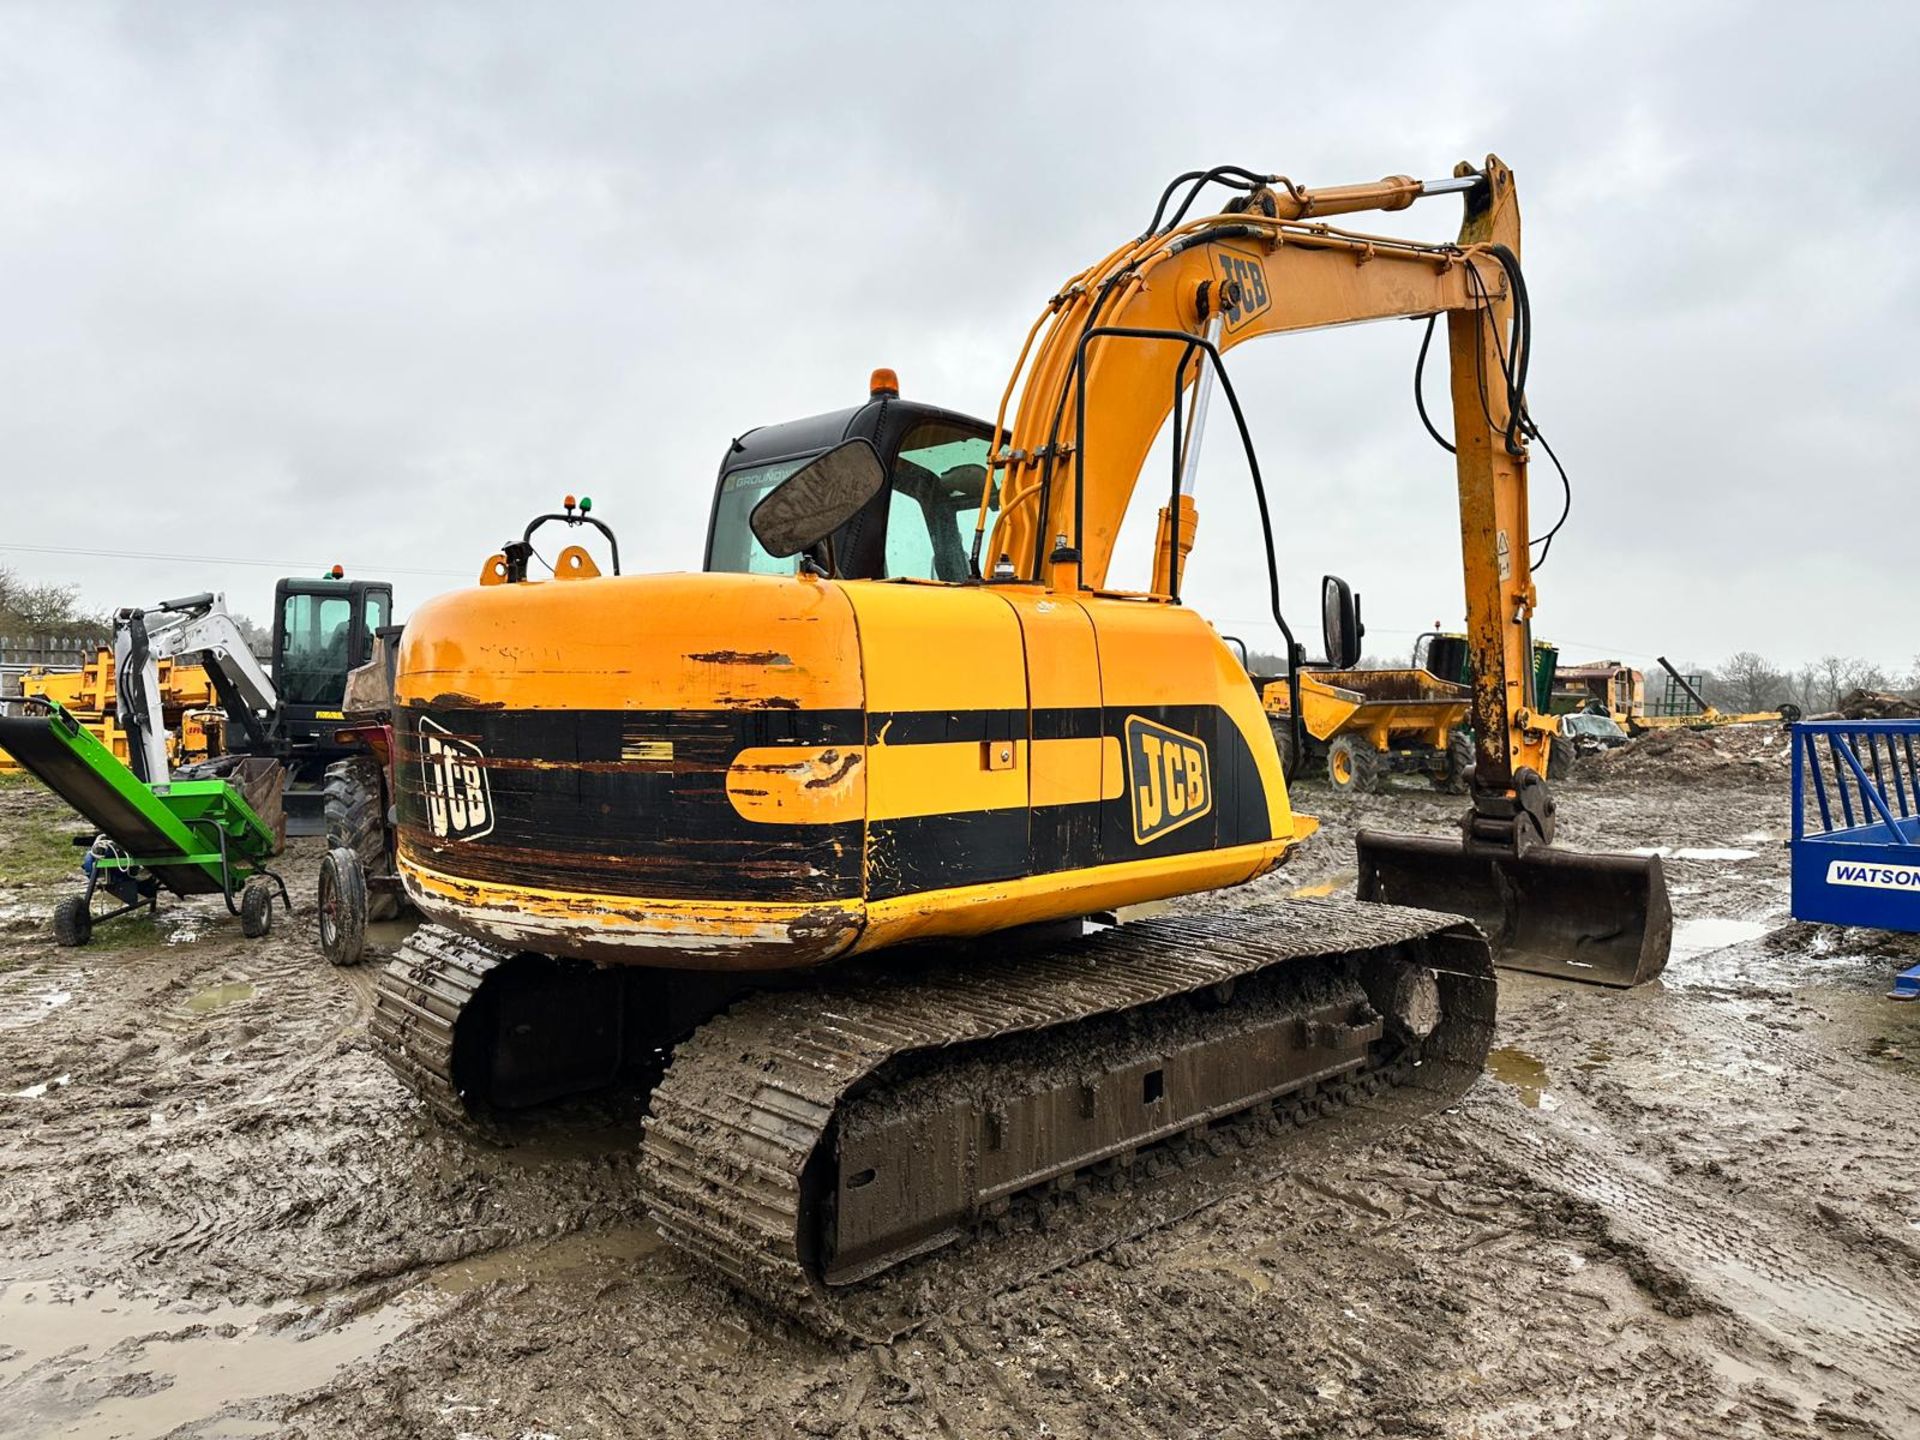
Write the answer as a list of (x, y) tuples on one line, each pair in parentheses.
[(934, 502), (735, 549), (376, 611), (312, 670)]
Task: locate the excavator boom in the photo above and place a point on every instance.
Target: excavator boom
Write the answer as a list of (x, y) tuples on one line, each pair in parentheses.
[(1068, 470)]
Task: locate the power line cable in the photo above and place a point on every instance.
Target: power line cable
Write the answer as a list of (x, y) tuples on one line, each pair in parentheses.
[(287, 565)]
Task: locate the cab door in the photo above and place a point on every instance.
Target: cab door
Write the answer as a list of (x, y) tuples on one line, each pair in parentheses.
[(1073, 768), (947, 737)]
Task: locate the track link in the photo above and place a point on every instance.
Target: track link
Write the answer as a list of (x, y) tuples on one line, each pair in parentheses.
[(418, 1003), (741, 1144)]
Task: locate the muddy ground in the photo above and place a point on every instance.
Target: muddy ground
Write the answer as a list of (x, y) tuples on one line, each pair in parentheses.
[(1692, 1210)]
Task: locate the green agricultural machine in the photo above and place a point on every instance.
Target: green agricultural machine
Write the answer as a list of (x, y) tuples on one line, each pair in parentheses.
[(211, 835)]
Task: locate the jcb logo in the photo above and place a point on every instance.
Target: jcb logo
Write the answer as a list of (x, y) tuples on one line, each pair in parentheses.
[(1169, 780), (459, 805), (1240, 280)]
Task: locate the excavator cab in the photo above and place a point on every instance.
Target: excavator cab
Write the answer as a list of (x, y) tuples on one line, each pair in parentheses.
[(322, 628), (917, 526)]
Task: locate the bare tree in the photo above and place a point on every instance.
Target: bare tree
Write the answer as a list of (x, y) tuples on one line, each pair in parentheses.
[(44, 609), (1822, 685), (1748, 681)]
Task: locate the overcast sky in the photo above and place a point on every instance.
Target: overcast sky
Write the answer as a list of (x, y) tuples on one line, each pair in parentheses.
[(304, 284)]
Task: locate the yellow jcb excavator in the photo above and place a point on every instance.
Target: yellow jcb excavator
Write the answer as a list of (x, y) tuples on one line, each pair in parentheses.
[(685, 825)]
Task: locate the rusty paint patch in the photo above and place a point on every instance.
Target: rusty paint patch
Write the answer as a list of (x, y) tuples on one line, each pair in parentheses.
[(821, 926), (846, 764), (455, 700), (759, 702), (795, 785), (741, 657)]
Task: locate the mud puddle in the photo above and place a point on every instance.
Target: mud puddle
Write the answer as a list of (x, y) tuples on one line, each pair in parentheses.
[(95, 1363), (608, 1252), (1712, 932), (218, 997), (1321, 889), (41, 1087), (1530, 1076)]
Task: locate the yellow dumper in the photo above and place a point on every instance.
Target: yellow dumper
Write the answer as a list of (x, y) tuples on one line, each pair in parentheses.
[(1367, 724)]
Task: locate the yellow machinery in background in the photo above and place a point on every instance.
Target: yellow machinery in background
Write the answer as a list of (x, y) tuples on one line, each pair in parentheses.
[(1602, 687), (1365, 725), (681, 827), (1619, 691), (88, 694)]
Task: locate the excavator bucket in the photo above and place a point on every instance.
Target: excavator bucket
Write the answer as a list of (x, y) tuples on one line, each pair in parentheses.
[(1599, 918)]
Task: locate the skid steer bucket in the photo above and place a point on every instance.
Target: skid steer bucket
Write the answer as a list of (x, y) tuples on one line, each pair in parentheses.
[(1599, 918)]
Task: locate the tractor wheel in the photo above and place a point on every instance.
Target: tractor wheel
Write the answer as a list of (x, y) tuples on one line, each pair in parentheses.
[(1353, 766), (73, 921), (256, 908), (1560, 756), (1459, 777), (357, 821), (343, 907)]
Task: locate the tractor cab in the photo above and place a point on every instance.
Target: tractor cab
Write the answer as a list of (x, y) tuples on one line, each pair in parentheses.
[(322, 628), (920, 524)]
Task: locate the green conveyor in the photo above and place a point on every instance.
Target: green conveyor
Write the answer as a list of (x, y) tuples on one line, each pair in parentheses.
[(174, 831)]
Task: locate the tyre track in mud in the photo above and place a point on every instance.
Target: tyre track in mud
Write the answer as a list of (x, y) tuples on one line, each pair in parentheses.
[(240, 1141)]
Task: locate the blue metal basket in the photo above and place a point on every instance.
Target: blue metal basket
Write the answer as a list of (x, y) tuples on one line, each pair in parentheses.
[(1856, 854)]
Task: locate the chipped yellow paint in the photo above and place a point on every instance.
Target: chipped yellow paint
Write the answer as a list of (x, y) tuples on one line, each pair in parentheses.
[(785, 785), (620, 929)]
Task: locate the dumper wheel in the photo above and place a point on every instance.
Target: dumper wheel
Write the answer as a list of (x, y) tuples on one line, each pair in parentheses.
[(343, 907), (1353, 766), (1459, 777), (256, 908), (73, 921), (1560, 756), (357, 821), (1283, 742)]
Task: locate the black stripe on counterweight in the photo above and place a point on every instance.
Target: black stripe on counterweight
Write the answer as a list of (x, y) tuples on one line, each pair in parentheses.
[(590, 817), (945, 727), (1082, 722), (937, 852)]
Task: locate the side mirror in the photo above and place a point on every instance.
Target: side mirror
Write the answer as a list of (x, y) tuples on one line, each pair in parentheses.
[(817, 499), (1340, 622)]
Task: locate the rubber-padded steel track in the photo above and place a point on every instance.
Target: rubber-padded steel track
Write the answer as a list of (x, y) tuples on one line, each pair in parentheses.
[(742, 1127)]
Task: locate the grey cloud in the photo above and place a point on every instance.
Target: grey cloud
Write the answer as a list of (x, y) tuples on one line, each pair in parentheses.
[(373, 283)]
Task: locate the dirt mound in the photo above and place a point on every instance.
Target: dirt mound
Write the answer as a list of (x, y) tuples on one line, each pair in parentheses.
[(1879, 705), (1733, 755)]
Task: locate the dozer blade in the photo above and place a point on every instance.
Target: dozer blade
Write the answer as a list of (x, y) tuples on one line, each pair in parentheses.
[(1599, 918)]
